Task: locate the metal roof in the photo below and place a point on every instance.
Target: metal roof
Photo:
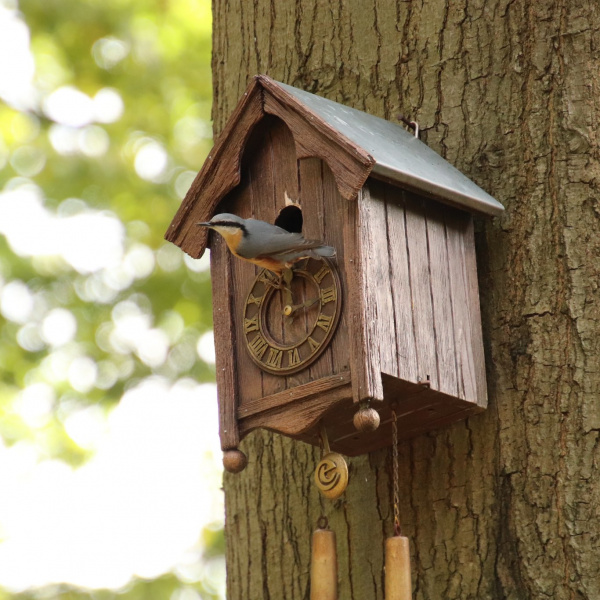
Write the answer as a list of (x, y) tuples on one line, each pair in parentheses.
[(399, 156)]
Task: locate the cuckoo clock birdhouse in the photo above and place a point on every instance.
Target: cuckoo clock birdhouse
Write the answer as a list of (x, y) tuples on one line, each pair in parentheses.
[(391, 322)]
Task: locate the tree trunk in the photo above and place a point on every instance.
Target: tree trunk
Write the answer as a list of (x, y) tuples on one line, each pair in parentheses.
[(506, 504)]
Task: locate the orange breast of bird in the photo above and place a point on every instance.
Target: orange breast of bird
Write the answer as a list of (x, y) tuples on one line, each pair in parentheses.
[(268, 263), (233, 241)]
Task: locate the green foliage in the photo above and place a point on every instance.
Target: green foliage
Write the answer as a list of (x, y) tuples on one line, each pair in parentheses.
[(155, 55), (163, 79)]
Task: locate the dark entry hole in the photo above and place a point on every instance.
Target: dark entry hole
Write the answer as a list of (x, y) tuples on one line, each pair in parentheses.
[(290, 219)]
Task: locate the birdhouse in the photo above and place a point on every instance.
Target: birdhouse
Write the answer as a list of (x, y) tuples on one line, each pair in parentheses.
[(391, 323)]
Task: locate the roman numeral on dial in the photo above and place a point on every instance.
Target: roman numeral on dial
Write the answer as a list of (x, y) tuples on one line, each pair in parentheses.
[(254, 300), (321, 273), (324, 322), (258, 346), (328, 295), (293, 357), (251, 324), (313, 345), (274, 358)]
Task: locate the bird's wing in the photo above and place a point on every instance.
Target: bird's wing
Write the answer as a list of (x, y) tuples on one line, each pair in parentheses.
[(267, 240)]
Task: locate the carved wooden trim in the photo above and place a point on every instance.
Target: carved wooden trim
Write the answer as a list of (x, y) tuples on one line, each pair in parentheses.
[(349, 163), (313, 137), (219, 174)]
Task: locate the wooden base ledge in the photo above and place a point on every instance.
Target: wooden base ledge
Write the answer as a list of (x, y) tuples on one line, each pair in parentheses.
[(329, 400), (294, 411), (302, 392)]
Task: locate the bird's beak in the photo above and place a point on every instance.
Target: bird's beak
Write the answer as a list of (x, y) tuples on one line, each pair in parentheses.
[(207, 224)]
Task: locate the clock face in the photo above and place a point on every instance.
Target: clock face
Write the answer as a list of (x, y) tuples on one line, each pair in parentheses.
[(287, 325)]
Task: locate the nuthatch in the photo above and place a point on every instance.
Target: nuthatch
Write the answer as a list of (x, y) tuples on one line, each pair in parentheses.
[(266, 245)]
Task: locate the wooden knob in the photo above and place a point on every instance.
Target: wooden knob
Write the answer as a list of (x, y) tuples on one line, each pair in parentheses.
[(366, 419), (234, 461)]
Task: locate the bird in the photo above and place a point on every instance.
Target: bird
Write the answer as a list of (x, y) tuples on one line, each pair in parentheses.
[(265, 245)]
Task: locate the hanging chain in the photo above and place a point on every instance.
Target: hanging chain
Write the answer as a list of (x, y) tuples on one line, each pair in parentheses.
[(395, 475)]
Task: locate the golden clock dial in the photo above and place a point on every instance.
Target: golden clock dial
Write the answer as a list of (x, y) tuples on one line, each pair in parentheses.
[(288, 324)]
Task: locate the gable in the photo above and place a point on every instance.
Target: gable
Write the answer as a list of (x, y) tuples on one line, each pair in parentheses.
[(353, 143)]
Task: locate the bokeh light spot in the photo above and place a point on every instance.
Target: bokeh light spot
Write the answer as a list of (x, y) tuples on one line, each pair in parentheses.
[(109, 51), (151, 161), (108, 106), (206, 347), (28, 161), (69, 106), (59, 327), (16, 301), (93, 141)]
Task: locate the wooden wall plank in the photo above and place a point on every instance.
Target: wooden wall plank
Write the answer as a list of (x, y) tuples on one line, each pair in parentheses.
[(416, 233), (263, 168), (249, 380), (364, 354), (332, 229), (475, 313), (461, 243), (311, 202), (456, 228), (400, 275), (380, 305), (225, 342), (441, 298), (321, 205), (284, 171)]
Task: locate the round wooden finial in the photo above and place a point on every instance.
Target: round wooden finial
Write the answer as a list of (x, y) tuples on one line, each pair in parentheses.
[(366, 420), (234, 461)]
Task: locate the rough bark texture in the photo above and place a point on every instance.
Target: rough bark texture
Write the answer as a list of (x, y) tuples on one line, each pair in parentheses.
[(506, 504)]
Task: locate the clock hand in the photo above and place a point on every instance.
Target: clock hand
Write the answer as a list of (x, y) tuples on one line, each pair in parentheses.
[(290, 308), (287, 277)]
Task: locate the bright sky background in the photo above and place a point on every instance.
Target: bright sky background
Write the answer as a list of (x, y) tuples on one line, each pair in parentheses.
[(139, 505), (136, 508)]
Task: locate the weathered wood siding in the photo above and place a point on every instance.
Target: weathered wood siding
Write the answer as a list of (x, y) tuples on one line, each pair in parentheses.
[(423, 298)]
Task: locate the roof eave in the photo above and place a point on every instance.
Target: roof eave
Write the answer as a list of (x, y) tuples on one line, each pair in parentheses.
[(483, 204)]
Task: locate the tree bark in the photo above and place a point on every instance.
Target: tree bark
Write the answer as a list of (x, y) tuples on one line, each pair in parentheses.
[(505, 505)]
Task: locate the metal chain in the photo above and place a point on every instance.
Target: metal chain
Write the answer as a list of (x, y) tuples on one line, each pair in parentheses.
[(395, 475)]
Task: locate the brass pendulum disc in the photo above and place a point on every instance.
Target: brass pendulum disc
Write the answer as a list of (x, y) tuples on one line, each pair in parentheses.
[(331, 475)]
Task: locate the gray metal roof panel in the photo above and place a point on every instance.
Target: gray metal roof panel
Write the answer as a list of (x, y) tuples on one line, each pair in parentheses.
[(399, 155)]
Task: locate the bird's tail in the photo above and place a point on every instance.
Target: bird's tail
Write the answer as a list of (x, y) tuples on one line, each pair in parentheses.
[(325, 251)]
